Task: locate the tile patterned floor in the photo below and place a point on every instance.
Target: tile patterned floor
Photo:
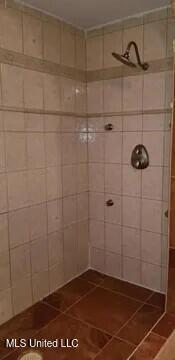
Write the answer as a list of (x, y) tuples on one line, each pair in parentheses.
[(109, 317)]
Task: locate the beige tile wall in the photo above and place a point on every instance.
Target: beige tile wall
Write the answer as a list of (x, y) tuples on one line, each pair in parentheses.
[(43, 161), (45, 164), (35, 34), (44, 205), (129, 240)]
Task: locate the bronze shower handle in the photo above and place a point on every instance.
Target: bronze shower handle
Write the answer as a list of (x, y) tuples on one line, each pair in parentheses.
[(110, 202)]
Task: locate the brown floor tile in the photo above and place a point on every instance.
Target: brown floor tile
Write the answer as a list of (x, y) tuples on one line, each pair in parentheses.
[(69, 294), (171, 301), (133, 291), (171, 277), (26, 324), (65, 327), (149, 348), (12, 356), (165, 326), (116, 349), (157, 299), (140, 324), (105, 309), (93, 276)]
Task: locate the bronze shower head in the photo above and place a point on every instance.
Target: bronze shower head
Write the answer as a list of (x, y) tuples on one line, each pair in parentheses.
[(125, 58)]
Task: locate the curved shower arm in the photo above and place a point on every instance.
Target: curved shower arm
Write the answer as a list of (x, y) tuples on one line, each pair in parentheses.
[(133, 43)]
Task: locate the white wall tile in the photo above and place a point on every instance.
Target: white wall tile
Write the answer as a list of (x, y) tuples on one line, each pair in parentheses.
[(130, 140), (113, 264), (113, 213), (113, 236), (151, 276), (112, 43), (132, 123), (131, 211), (4, 236), (97, 234), (20, 262), (40, 285), (113, 95), (131, 242), (154, 91), (39, 263), (151, 215), (22, 294), (131, 270), (113, 147), (132, 93), (113, 175), (94, 53), (152, 183), (96, 177), (97, 259), (131, 181), (96, 206), (55, 248), (157, 31), (5, 305), (96, 148), (154, 145), (151, 247), (95, 97)]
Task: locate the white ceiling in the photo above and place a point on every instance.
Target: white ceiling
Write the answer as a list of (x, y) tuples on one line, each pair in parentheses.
[(92, 13)]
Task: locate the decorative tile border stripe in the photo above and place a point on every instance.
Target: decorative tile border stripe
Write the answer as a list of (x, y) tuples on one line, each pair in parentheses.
[(85, 115), (131, 113), (122, 71), (29, 62), (42, 112)]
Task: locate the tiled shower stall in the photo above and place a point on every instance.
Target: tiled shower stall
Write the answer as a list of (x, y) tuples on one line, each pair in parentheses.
[(138, 107), (59, 165)]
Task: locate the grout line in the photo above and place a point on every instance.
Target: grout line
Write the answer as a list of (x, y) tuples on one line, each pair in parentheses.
[(46, 195), (61, 161), (89, 324), (160, 335), (124, 340), (86, 323), (7, 215), (115, 335), (82, 298), (103, 348), (144, 303), (99, 286), (130, 297), (69, 307), (144, 262), (132, 283), (122, 168), (149, 332)]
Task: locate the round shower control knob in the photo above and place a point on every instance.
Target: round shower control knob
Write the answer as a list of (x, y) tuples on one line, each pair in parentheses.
[(110, 202), (108, 127)]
